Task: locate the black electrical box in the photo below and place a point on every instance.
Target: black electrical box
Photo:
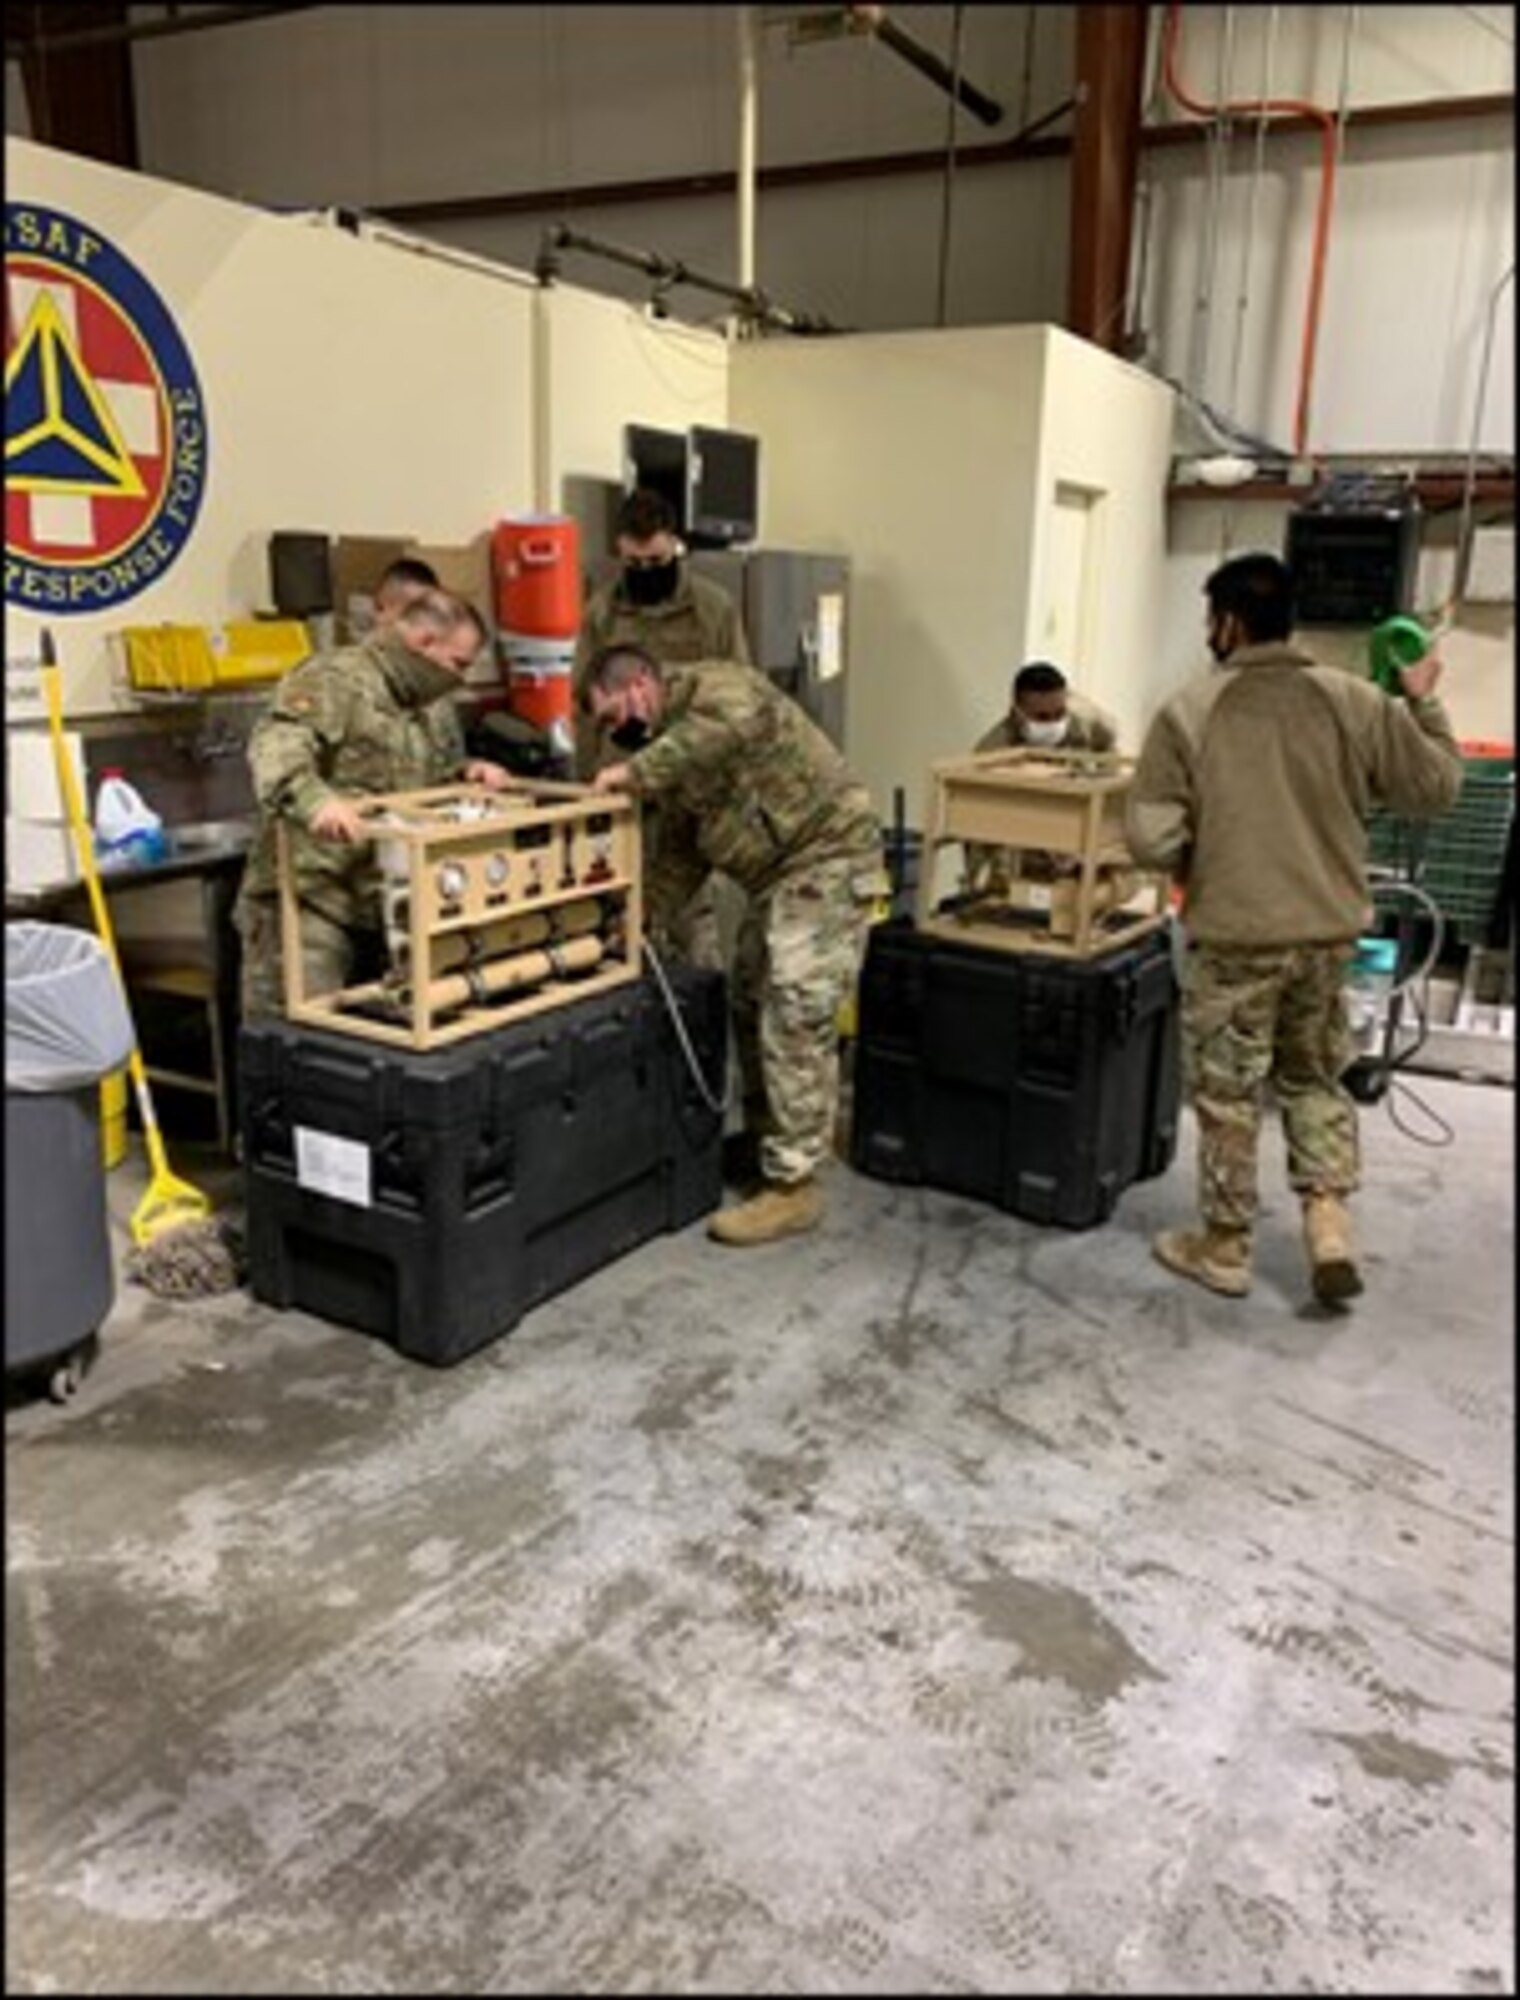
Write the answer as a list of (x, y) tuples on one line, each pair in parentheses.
[(1352, 566)]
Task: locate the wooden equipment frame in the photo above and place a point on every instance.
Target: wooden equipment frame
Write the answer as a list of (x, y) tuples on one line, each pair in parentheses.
[(551, 851), (1063, 802)]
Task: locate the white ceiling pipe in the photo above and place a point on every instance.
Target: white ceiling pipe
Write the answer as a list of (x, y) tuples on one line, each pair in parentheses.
[(749, 138)]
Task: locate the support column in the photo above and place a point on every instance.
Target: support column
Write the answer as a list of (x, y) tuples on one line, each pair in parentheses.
[(1104, 157)]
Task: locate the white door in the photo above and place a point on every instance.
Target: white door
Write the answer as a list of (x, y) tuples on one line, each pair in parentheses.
[(1066, 630)]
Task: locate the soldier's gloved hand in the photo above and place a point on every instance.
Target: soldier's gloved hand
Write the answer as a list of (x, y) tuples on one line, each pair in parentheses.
[(336, 819), (479, 772)]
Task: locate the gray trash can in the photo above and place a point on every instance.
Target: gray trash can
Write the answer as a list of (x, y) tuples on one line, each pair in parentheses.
[(66, 1027)]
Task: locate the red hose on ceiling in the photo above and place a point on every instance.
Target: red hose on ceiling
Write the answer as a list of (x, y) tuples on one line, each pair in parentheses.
[(1291, 107)]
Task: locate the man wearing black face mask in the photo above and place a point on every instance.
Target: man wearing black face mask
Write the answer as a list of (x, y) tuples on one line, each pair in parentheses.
[(655, 603), (1252, 788), (659, 605), (376, 717)]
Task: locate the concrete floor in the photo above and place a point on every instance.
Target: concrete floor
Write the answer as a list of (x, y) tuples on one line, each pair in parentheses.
[(935, 1604)]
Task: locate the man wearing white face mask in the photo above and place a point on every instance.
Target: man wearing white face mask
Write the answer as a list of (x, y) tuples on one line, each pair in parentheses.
[(1043, 714)]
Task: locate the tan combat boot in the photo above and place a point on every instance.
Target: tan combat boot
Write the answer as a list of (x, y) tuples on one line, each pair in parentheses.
[(1218, 1258), (1327, 1238), (775, 1211)]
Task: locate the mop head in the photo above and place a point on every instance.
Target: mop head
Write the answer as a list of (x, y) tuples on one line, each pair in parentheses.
[(191, 1260)]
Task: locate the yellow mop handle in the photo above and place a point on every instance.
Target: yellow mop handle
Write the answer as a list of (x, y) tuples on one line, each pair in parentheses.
[(84, 847)]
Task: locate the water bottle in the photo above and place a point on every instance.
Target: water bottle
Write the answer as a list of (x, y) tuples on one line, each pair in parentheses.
[(128, 832), (1369, 988)]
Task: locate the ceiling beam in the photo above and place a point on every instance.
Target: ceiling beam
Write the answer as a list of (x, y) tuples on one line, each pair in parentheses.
[(884, 166)]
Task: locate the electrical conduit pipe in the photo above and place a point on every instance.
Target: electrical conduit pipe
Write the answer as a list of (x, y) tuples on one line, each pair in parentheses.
[(1290, 107)]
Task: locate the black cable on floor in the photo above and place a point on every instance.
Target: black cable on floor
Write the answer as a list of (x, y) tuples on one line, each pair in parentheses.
[(1396, 1085)]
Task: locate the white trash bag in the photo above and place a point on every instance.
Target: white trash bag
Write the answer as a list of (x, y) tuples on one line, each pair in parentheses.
[(66, 1021)]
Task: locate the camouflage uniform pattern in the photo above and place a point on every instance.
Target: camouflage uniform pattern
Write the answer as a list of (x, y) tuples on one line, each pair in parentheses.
[(747, 783), (1263, 1020), (798, 955), (332, 956), (699, 622), (359, 720)]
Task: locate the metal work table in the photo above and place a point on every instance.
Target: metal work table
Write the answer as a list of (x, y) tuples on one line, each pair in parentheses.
[(214, 858)]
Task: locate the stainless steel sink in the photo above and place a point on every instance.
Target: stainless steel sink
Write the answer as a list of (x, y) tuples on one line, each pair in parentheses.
[(206, 833)]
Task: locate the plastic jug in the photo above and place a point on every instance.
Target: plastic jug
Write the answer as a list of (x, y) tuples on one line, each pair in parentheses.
[(127, 830)]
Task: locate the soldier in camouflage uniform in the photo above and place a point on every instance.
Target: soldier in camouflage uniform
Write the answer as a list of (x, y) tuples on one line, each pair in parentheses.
[(676, 616), (656, 603), (1253, 788), (747, 783), (360, 720)]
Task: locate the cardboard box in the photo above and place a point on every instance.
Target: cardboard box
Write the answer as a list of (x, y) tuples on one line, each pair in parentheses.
[(357, 564), (32, 790)]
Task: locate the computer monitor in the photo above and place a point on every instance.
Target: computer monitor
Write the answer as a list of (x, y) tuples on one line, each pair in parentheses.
[(657, 460), (723, 478)]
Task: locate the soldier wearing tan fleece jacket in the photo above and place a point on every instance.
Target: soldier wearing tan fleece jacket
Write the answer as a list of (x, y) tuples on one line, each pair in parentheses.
[(1253, 788)]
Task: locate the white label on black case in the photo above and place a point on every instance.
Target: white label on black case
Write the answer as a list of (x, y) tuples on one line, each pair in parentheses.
[(329, 1165)]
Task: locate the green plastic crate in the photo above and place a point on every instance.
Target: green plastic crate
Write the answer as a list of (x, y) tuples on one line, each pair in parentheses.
[(1464, 849)]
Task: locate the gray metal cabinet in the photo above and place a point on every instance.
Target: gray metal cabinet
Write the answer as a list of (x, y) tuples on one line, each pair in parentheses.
[(795, 606), (796, 612)]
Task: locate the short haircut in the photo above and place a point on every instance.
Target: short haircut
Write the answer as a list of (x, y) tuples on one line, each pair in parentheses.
[(615, 666), (645, 514), (1258, 590), (1039, 677), (442, 611), (407, 571)]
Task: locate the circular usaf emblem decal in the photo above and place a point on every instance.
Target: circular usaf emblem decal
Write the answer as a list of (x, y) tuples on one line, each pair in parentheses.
[(105, 426)]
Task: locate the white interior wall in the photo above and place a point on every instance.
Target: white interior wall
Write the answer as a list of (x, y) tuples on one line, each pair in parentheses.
[(1107, 433), (915, 455), (348, 386), (606, 363), (929, 459)]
